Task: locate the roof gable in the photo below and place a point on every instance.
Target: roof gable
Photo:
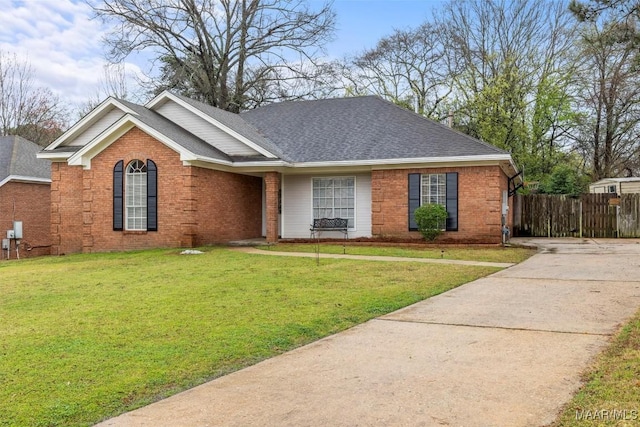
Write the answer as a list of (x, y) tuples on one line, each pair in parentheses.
[(91, 125), (222, 129), (187, 145)]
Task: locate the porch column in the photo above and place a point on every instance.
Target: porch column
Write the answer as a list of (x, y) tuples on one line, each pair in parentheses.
[(272, 187)]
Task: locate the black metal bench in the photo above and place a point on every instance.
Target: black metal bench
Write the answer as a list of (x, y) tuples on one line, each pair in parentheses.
[(329, 224)]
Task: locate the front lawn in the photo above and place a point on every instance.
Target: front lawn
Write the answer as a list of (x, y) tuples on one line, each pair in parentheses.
[(486, 254), (86, 337)]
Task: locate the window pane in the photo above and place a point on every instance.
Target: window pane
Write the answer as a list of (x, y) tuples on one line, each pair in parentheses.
[(136, 196), (334, 198)]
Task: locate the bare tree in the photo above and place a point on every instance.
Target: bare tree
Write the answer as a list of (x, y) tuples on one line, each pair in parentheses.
[(609, 96), (114, 82), (26, 110), (408, 67), (511, 74), (219, 51)]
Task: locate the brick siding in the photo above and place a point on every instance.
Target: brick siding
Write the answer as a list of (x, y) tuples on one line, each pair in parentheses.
[(479, 203), (29, 203), (195, 206)]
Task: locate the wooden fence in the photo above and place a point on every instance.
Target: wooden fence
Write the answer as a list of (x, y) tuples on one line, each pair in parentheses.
[(588, 215)]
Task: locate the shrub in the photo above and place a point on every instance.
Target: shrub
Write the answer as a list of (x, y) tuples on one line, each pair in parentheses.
[(431, 220)]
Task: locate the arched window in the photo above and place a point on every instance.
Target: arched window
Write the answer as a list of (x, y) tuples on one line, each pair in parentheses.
[(135, 192), (135, 196)]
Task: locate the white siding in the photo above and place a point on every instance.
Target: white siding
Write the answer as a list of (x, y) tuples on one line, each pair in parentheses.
[(204, 130), (629, 187), (297, 213), (97, 128)]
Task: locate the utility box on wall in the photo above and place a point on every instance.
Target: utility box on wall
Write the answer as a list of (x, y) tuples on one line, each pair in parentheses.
[(11, 234), (5, 243), (17, 229)]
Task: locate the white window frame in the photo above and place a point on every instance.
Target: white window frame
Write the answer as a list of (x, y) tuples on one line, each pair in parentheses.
[(353, 224), (441, 198), (135, 196)]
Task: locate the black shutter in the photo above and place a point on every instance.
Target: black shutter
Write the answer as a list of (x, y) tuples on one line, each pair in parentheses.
[(118, 175), (414, 199), (152, 196), (452, 201)]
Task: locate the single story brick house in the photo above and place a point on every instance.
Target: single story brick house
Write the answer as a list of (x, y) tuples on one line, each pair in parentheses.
[(25, 191), (176, 172)]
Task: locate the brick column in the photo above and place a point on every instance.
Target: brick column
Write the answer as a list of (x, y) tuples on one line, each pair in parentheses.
[(188, 222), (272, 183), (55, 208), (377, 198), (87, 214)]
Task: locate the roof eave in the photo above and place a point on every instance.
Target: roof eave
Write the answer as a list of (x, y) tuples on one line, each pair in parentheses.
[(55, 155), (407, 161), (25, 179)]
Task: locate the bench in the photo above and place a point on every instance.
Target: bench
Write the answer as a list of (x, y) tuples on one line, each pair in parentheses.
[(329, 224)]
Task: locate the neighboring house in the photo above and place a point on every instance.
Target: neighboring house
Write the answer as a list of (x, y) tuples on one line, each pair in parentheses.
[(177, 172), (25, 195), (617, 186)]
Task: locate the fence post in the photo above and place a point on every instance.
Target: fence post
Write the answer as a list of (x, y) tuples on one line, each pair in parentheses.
[(581, 218)]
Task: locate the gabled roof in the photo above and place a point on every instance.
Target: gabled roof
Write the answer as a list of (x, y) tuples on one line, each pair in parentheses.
[(18, 161), (359, 131), (359, 128)]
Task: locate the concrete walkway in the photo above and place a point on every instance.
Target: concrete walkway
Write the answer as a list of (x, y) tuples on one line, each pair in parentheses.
[(256, 251), (505, 350)]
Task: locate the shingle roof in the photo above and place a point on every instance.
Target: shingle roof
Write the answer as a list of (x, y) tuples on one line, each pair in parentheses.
[(358, 128), (176, 133), (18, 157)]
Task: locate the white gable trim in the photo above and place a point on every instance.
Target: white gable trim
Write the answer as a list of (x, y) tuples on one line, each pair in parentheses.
[(158, 100), (25, 179), (85, 154), (88, 120)]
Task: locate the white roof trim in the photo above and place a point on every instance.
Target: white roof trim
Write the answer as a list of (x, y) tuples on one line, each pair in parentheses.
[(112, 133), (168, 95), (55, 155), (616, 180), (89, 118), (383, 162), (21, 178)]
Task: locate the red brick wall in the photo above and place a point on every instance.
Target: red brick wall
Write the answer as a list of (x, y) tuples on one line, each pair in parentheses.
[(229, 206), (195, 206), (479, 203), (29, 203)]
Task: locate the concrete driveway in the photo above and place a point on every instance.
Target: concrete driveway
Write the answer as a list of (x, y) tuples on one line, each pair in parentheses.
[(505, 350)]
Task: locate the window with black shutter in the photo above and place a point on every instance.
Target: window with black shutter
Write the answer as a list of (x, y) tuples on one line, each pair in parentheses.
[(135, 196), (434, 188)]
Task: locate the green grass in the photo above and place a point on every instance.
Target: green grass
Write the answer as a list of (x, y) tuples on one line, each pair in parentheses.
[(86, 337), (612, 385), (492, 254)]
